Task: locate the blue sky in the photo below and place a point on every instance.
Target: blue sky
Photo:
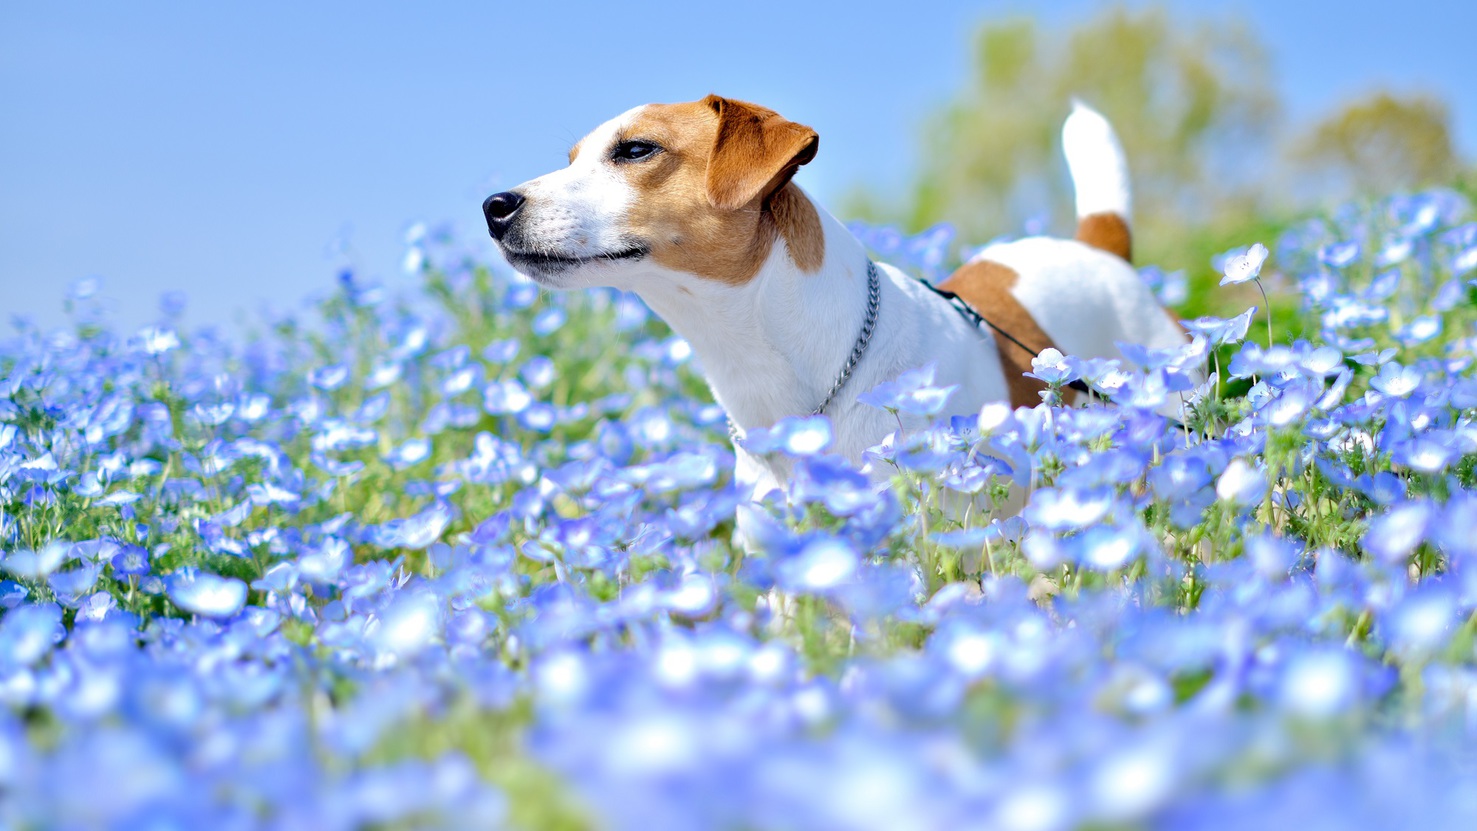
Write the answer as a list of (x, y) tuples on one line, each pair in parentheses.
[(241, 152)]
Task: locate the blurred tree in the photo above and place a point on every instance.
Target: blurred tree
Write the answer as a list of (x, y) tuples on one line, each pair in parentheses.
[(1379, 144), (1193, 103)]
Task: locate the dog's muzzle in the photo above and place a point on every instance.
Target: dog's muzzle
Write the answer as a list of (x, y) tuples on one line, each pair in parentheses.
[(501, 209)]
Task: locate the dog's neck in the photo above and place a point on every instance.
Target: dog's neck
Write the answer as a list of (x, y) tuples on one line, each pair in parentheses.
[(773, 346)]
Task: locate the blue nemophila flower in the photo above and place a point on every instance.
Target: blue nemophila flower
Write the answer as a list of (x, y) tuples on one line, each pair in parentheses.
[(794, 436), (1131, 782), (1431, 453), (72, 586), (548, 321), (329, 377), (1273, 557), (912, 392), (1061, 510), (409, 453), (1424, 621), (1394, 535), (27, 564), (996, 416), (1397, 381), (1046, 552), (539, 372), (1218, 330), (506, 397), (1053, 368), (156, 340), (1339, 254), (1378, 358), (1291, 404), (409, 625), (1419, 331), (205, 594), (1107, 547), (417, 531), (266, 493), (324, 563), (1453, 531), (1320, 684), (1242, 484), (28, 634), (821, 565), (461, 380), (1240, 266)]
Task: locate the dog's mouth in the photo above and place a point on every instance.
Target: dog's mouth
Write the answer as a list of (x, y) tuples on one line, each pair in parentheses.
[(547, 262)]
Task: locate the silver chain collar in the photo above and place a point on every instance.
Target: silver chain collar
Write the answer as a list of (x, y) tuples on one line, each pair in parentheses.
[(874, 298)]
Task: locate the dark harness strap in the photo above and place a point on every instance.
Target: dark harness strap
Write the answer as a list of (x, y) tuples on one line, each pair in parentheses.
[(977, 319), (974, 317)]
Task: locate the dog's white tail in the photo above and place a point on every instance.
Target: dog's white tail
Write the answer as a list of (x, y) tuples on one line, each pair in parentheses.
[(1100, 176)]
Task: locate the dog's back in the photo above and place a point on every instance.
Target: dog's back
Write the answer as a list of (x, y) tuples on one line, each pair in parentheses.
[(1080, 296)]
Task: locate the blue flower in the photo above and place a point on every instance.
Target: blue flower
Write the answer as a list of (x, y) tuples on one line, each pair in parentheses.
[(1218, 330), (794, 436), (1060, 510), (1320, 684), (156, 340), (1242, 484), (409, 453), (36, 565), (71, 586), (821, 565), (1396, 381), (205, 594), (329, 377), (1339, 255), (411, 624), (1394, 535), (1107, 547), (417, 531), (911, 392), (1242, 266), (27, 634), (506, 397), (1053, 368)]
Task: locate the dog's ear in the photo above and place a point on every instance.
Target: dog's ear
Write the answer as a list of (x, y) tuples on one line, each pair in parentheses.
[(755, 153)]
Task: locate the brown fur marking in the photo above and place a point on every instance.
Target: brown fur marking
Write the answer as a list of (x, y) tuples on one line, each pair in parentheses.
[(677, 214), (987, 287), (800, 225), (1107, 231), (754, 152)]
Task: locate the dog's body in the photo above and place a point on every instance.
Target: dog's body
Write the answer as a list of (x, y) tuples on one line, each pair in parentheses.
[(691, 207)]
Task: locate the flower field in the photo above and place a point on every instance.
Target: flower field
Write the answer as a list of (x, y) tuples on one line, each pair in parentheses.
[(465, 559)]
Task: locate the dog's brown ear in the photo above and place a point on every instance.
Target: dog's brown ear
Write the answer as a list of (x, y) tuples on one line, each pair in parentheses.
[(755, 153)]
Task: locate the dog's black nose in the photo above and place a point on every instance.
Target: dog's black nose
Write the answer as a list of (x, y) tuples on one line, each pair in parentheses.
[(500, 208)]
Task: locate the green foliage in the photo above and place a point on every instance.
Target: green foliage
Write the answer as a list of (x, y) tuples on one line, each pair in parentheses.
[(1195, 103), (1382, 143), (1183, 97)]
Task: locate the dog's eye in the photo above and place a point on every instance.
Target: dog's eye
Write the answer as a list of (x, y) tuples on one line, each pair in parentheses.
[(633, 151)]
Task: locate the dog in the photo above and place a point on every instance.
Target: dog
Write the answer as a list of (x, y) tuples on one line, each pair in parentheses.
[(692, 207)]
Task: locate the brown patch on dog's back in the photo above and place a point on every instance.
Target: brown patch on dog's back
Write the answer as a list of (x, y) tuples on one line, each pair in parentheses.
[(674, 215), (987, 287), (1107, 231)]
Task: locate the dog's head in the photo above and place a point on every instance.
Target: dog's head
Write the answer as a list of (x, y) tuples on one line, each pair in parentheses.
[(700, 188)]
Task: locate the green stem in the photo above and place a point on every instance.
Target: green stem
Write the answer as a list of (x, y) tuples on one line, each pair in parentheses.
[(1266, 309)]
